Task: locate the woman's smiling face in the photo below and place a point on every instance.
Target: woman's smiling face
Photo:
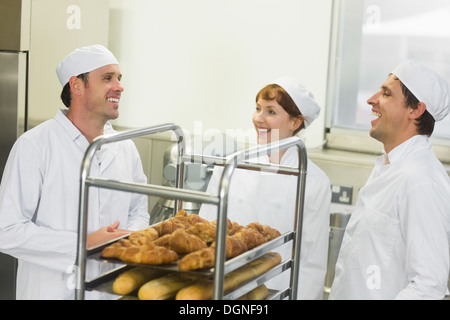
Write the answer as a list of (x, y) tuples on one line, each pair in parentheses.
[(272, 122)]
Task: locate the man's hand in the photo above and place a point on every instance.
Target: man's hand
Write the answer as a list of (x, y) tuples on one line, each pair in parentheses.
[(105, 234)]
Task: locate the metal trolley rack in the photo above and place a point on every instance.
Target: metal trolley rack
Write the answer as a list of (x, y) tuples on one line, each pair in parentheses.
[(230, 163)]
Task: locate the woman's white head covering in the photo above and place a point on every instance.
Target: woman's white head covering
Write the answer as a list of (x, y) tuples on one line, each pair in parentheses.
[(84, 60), (303, 98), (427, 86)]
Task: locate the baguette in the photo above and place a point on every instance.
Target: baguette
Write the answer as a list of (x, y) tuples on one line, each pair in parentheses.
[(259, 293), (204, 290), (132, 279), (165, 287)]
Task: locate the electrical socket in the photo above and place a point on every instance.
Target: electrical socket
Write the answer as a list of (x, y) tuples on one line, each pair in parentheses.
[(341, 194)]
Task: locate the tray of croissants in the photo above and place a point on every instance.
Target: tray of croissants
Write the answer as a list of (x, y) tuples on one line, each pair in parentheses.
[(175, 258)]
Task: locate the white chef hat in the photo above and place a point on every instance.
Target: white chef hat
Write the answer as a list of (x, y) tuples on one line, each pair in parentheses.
[(83, 60), (303, 98), (427, 86)]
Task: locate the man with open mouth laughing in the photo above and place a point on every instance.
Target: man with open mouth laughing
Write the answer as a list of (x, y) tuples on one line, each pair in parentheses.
[(396, 244)]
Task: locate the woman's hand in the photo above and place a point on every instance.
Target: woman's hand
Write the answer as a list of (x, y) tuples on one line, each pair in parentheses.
[(105, 234)]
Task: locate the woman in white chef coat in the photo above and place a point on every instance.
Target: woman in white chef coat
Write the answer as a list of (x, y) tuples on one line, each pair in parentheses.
[(396, 244), (282, 110), (39, 194)]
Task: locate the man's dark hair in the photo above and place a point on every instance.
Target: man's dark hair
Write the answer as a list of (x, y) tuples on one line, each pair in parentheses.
[(425, 123), (66, 96)]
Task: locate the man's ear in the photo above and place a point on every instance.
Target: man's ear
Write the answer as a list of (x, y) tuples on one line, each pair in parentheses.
[(417, 112), (75, 84)]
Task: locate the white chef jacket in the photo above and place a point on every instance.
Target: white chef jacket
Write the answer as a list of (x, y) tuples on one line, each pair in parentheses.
[(39, 203), (396, 244), (269, 199)]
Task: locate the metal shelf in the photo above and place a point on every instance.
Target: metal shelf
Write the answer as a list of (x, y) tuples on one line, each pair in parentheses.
[(230, 163)]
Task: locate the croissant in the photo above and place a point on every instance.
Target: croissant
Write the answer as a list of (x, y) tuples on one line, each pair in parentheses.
[(232, 226), (181, 213), (188, 219), (235, 227), (250, 237), (233, 247), (146, 254), (113, 251), (195, 218), (205, 258), (181, 242), (143, 236), (268, 232), (203, 230), (159, 255), (198, 260), (134, 253), (181, 220), (116, 249)]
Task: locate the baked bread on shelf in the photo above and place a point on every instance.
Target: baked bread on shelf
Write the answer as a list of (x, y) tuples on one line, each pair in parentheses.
[(148, 253), (191, 236), (259, 293), (181, 242), (132, 279), (204, 290), (143, 236), (190, 241), (166, 287)]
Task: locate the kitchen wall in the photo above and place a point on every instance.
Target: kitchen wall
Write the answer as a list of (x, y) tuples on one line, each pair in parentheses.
[(200, 63)]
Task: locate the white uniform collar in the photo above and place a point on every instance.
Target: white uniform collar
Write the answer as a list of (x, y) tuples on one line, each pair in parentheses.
[(401, 151), (74, 133)]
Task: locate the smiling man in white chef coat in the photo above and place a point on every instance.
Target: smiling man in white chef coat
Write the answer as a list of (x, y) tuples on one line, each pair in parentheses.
[(39, 194), (396, 245)]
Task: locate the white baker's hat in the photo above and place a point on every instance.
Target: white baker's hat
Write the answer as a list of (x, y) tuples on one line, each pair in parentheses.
[(84, 60), (302, 97), (427, 86)]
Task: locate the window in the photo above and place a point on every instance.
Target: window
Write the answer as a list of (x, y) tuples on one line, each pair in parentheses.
[(370, 38)]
